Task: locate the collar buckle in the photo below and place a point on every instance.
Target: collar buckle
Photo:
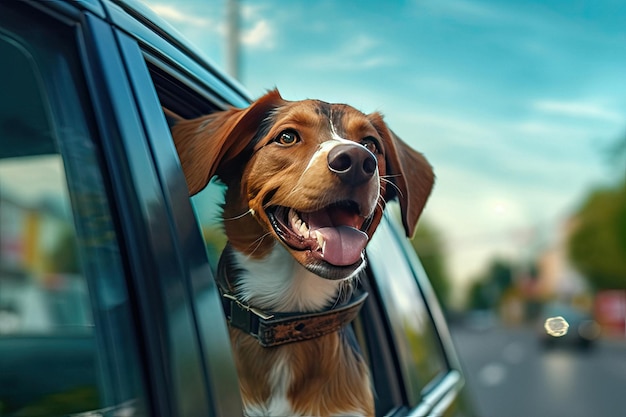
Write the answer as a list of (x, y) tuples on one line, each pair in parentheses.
[(242, 316)]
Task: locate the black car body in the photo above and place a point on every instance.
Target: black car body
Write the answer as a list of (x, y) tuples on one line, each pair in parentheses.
[(107, 299)]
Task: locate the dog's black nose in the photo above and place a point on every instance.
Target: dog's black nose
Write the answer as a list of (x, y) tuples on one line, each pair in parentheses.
[(353, 163)]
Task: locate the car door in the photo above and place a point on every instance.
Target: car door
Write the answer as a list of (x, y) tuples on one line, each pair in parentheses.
[(101, 288), (68, 338)]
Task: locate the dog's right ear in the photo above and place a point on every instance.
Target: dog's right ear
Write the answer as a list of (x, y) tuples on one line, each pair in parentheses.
[(208, 142)]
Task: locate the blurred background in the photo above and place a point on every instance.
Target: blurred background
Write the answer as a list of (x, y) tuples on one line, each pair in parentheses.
[(520, 106)]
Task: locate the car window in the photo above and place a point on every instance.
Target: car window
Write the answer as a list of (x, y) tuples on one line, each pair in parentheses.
[(180, 101), (422, 359), (66, 335)]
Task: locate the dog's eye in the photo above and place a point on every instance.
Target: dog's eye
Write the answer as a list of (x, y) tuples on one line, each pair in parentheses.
[(371, 144), (287, 138)]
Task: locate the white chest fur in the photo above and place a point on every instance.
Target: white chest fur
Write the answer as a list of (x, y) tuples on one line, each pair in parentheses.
[(279, 283)]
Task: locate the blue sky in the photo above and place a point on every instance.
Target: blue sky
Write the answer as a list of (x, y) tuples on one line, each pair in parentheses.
[(514, 103)]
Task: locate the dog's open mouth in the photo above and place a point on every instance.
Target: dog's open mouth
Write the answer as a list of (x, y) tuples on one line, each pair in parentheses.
[(333, 234)]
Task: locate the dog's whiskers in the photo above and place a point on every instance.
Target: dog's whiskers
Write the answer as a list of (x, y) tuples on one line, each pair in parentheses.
[(391, 176), (250, 211), (258, 242), (344, 291), (386, 181)]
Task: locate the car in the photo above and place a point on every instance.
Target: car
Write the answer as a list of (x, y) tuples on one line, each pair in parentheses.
[(564, 324), (108, 306)]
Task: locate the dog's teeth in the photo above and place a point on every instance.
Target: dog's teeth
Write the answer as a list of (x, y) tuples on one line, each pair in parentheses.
[(320, 240), (304, 229), (298, 224)]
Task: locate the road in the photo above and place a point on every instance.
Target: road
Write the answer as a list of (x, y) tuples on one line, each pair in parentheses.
[(510, 375)]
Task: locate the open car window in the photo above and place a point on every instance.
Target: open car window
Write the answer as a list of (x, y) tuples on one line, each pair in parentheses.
[(179, 101)]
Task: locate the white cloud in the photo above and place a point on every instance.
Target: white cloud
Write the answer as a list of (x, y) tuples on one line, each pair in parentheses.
[(257, 30), (494, 13), (175, 15), (260, 35), (251, 11), (465, 9), (440, 85), (362, 44), (449, 129), (492, 216), (516, 181), (578, 109), (356, 53)]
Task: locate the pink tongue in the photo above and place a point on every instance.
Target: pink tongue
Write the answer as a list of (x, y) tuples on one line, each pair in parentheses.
[(343, 244)]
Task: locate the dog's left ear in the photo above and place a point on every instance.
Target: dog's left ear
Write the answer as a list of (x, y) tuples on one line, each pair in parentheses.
[(408, 170), (207, 143)]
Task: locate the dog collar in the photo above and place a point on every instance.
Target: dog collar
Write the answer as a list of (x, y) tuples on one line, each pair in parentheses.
[(277, 328)]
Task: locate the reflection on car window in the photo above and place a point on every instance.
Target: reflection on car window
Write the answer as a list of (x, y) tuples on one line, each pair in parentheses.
[(207, 206), (415, 337), (62, 338), (42, 289), (44, 302)]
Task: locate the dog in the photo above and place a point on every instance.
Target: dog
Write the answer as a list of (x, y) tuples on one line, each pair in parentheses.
[(307, 182)]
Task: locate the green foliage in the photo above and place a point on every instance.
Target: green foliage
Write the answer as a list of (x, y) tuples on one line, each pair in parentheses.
[(62, 403), (63, 257), (214, 240), (478, 296), (487, 289), (597, 246), (428, 244)]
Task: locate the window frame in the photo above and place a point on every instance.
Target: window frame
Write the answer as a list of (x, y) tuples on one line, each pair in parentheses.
[(205, 304)]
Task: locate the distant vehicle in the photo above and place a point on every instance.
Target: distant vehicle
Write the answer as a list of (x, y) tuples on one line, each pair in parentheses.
[(582, 330), (106, 265)]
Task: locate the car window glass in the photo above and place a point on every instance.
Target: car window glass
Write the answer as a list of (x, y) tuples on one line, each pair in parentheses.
[(207, 205), (418, 348), (65, 333)]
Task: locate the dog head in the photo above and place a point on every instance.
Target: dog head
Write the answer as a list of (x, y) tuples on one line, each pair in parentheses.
[(315, 176)]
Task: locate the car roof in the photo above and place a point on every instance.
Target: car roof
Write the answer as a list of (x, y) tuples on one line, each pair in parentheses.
[(136, 16)]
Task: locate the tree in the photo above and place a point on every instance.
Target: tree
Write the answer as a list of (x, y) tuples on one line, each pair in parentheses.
[(487, 289), (597, 245), (479, 296), (428, 244), (63, 257)]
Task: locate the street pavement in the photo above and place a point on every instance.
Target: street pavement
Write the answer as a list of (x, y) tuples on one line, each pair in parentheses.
[(510, 374)]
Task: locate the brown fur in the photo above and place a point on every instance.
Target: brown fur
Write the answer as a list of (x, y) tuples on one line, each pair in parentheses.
[(326, 375), (317, 388)]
